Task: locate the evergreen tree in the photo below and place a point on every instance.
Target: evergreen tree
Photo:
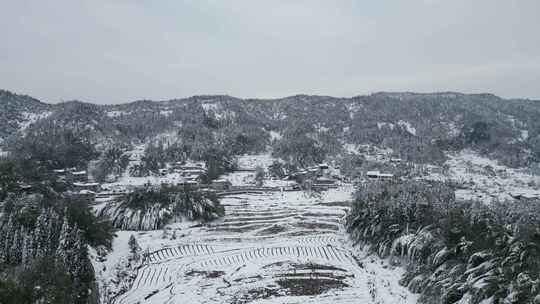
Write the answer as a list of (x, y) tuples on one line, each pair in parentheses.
[(259, 176), (133, 244), (134, 249)]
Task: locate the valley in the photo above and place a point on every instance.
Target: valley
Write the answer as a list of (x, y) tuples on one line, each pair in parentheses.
[(383, 198), (270, 247)]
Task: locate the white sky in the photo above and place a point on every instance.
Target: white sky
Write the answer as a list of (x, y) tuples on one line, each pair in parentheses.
[(112, 51)]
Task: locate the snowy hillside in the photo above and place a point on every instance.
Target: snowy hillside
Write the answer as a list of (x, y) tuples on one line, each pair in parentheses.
[(506, 130)]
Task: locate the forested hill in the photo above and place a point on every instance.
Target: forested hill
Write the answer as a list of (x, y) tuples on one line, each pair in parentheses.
[(418, 127)]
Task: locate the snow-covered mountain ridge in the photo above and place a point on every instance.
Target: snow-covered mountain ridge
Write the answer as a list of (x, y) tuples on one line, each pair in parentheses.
[(400, 121)]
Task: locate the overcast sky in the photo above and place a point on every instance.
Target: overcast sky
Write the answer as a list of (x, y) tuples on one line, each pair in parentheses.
[(108, 51)]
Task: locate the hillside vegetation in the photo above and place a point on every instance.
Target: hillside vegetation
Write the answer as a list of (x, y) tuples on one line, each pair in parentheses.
[(453, 251), (418, 127)]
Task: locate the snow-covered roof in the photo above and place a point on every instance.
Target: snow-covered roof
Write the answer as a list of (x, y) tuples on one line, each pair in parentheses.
[(84, 191), (325, 179), (525, 194), (189, 182), (379, 174), (194, 170), (85, 184), (221, 180)]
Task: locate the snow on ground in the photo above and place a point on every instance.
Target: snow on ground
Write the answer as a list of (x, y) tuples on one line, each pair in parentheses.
[(30, 118), (218, 111), (377, 154), (125, 180), (107, 270), (254, 161), (486, 180), (407, 125), (113, 114), (524, 135), (128, 181), (453, 129), (351, 148), (270, 247), (241, 178), (166, 113), (380, 125), (275, 135), (210, 106)]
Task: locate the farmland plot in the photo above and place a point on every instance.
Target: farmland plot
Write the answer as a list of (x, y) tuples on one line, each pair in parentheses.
[(273, 247)]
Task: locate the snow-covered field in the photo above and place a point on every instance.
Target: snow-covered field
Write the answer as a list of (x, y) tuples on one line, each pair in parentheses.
[(272, 247), (486, 180)]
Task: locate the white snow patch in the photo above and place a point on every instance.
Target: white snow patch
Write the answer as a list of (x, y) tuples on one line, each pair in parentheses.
[(249, 161), (210, 106), (113, 114), (453, 129), (486, 180), (165, 113), (351, 148), (30, 118), (524, 134), (275, 135), (380, 125), (408, 126)]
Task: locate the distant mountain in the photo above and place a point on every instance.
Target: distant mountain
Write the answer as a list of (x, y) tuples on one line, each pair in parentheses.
[(416, 126), (18, 111)]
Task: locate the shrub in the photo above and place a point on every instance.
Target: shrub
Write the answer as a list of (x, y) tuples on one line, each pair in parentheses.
[(150, 208)]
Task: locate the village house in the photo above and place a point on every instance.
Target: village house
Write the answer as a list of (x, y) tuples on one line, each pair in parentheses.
[(188, 184), (188, 165), (78, 186), (86, 195), (221, 184), (323, 166), (77, 176), (379, 175), (60, 174), (192, 172), (325, 181), (23, 187)]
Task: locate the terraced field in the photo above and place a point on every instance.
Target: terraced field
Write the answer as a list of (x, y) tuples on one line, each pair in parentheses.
[(270, 248)]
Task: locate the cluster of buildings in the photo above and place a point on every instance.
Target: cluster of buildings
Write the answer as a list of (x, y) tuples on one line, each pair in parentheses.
[(319, 175), (379, 175), (79, 184), (183, 174), (191, 174)]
